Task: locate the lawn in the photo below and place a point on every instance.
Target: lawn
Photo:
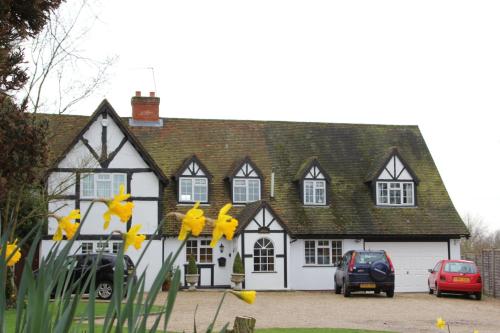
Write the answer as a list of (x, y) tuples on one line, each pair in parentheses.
[(100, 311)]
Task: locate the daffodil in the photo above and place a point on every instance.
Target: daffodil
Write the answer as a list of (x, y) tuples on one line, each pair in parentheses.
[(440, 323), (116, 207), (65, 224), (475, 331), (193, 222), (224, 225), (14, 251), (132, 238), (247, 296)]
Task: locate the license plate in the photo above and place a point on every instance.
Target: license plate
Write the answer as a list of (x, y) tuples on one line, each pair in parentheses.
[(461, 279), (367, 285)]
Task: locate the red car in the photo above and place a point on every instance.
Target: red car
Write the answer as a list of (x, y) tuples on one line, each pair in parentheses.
[(455, 277)]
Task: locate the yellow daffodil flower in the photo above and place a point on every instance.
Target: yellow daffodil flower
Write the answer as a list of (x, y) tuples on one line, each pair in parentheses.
[(193, 222), (13, 250), (224, 225), (115, 207), (132, 238), (65, 224), (440, 323), (247, 296), (475, 331)]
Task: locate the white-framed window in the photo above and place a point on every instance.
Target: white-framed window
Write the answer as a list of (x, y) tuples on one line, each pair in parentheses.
[(200, 249), (322, 252), (101, 185), (192, 189), (87, 247), (263, 255), (314, 192), (395, 193), (102, 247), (246, 190), (116, 247)]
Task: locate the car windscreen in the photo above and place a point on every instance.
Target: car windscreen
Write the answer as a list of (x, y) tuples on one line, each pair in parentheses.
[(370, 257), (460, 267)]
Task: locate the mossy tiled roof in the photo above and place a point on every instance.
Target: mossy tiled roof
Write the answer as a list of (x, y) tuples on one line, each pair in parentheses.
[(347, 152)]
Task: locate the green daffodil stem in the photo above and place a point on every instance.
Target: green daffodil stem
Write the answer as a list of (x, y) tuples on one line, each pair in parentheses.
[(211, 327)]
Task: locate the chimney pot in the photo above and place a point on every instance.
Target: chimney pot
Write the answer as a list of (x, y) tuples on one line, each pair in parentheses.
[(151, 94), (138, 93)]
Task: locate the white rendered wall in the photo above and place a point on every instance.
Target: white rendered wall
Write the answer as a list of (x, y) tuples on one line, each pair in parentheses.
[(93, 135), (455, 249), (151, 262), (79, 157), (146, 214), (60, 208), (128, 157), (144, 184), (114, 135), (61, 183), (310, 277)]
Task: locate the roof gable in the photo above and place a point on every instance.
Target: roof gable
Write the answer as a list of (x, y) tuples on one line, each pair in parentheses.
[(102, 149), (264, 223), (311, 169), (192, 167), (245, 168), (391, 166)]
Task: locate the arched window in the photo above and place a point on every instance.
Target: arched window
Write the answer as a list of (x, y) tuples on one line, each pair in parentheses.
[(263, 256)]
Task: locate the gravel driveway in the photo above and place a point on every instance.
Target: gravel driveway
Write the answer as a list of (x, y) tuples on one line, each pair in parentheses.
[(404, 313)]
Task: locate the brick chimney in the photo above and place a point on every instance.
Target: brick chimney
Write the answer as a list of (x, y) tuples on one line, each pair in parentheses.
[(145, 109)]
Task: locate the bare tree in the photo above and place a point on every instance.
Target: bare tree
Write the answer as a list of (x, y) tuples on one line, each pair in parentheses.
[(59, 64), (480, 237)]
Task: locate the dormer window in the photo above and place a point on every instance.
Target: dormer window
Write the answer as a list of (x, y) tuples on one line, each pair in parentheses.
[(313, 182), (193, 182), (245, 182), (394, 182)]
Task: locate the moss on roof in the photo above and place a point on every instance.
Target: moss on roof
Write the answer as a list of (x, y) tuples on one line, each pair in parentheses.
[(347, 153)]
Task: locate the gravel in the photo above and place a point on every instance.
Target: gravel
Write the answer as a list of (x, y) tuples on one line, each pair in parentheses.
[(406, 312)]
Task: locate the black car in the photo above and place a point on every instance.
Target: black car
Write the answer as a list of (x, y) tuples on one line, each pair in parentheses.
[(104, 271), (365, 271)]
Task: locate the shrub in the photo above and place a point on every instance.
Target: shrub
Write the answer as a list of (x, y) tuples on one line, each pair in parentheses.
[(238, 265), (192, 268)]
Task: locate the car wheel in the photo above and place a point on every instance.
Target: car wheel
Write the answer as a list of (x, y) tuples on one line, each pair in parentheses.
[(338, 288), (104, 289), (390, 293), (438, 292), (430, 289), (345, 289), (478, 295)]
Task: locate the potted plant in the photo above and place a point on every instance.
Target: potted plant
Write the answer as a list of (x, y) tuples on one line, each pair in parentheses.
[(192, 275), (238, 272)]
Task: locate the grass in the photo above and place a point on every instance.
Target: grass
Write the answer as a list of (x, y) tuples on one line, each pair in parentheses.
[(100, 311)]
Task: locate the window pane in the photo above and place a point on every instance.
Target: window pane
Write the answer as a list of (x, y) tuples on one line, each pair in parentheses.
[(310, 252), (308, 192), (408, 193), (395, 194), (263, 256), (253, 190), (323, 252), (336, 251), (320, 192), (382, 193), (103, 186), (87, 248), (186, 189), (117, 181), (88, 186), (240, 191), (205, 252), (192, 249), (200, 190)]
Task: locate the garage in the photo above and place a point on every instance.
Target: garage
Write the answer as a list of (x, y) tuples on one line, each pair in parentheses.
[(411, 261)]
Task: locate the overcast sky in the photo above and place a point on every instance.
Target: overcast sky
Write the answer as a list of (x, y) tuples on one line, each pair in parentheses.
[(434, 63)]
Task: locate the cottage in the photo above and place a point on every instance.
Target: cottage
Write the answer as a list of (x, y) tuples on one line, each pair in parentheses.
[(304, 193)]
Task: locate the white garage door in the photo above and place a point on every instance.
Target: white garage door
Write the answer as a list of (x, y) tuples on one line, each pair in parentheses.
[(411, 261)]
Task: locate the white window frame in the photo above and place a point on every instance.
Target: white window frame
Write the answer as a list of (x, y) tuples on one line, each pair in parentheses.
[(247, 187), (330, 246), (314, 182), (114, 187), (193, 179), (103, 246), (269, 267), (85, 249), (200, 244), (401, 193)]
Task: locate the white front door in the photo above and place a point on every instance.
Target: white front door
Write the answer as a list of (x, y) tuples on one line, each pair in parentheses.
[(411, 261)]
